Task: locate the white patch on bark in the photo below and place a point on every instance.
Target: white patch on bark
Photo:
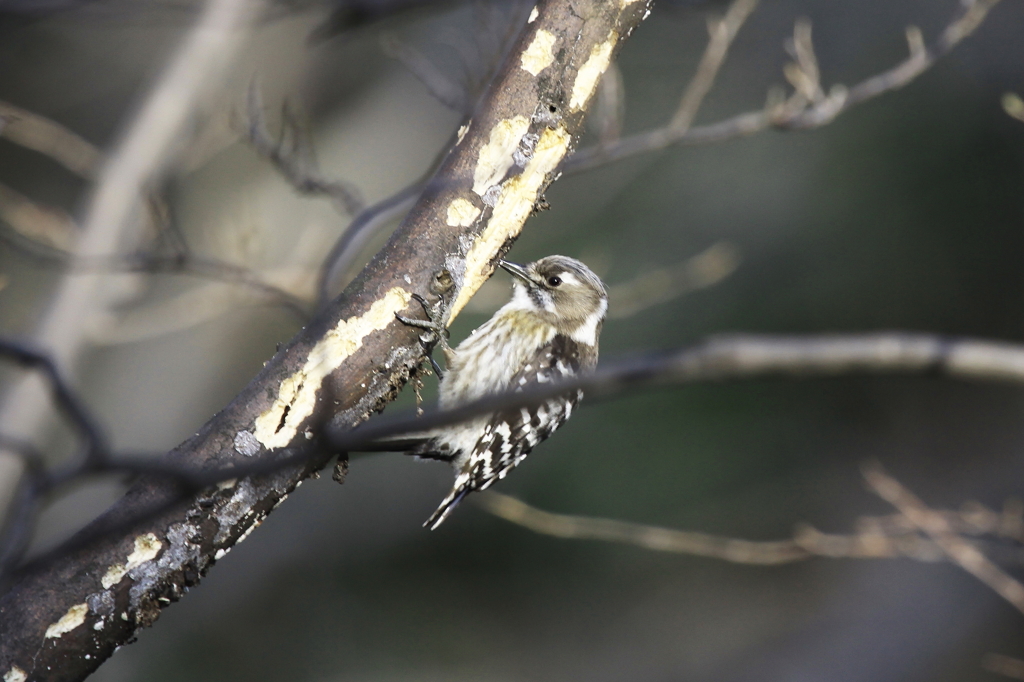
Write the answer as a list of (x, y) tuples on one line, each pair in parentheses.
[(462, 213), (146, 548), (513, 207), (495, 157), (540, 53), (15, 674), (590, 73), (69, 621), (296, 396)]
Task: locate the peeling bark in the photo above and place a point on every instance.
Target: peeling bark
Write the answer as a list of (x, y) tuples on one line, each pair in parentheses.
[(62, 621)]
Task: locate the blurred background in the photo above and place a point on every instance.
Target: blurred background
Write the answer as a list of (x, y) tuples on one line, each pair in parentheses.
[(907, 212)]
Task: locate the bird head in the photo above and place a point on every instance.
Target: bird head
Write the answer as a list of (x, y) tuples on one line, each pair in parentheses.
[(564, 292)]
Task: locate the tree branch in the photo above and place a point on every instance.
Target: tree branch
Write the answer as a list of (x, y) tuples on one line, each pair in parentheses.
[(42, 135), (935, 526), (874, 539)]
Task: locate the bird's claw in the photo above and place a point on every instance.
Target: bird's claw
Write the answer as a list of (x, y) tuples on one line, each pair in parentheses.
[(436, 333)]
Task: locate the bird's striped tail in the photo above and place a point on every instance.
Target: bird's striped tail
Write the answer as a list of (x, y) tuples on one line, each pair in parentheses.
[(446, 507)]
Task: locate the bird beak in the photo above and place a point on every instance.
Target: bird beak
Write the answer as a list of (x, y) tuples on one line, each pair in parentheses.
[(517, 270)]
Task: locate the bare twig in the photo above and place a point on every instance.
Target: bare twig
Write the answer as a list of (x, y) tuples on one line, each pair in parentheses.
[(870, 541), (362, 228), (721, 359), (808, 107), (609, 110), (959, 551), (293, 163), (40, 134), (721, 32), (443, 89), (731, 358), (658, 285), (648, 537)]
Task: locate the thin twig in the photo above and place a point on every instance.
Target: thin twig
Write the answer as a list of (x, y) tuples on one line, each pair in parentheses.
[(959, 551), (658, 285), (453, 95), (868, 543), (292, 164), (721, 32), (718, 359), (362, 228), (796, 112), (185, 263), (648, 537)]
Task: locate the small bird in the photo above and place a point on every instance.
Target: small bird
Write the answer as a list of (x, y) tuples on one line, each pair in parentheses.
[(547, 332)]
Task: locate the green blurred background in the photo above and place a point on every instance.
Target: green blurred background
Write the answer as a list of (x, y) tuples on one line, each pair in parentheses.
[(905, 213)]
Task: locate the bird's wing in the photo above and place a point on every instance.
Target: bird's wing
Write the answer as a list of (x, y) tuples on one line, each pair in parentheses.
[(511, 434)]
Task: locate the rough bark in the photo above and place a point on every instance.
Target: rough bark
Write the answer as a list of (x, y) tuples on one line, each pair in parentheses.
[(63, 620)]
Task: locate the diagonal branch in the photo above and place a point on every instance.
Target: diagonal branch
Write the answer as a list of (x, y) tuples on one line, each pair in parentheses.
[(936, 527)]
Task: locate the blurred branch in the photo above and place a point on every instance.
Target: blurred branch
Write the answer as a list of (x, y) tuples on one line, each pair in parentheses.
[(356, 235), (1003, 665), (659, 285), (294, 162), (719, 359), (1013, 105), (941, 532), (244, 476), (47, 226), (808, 106), (609, 110), (872, 540), (721, 34), (648, 537), (724, 358), (51, 139), (452, 95), (47, 234)]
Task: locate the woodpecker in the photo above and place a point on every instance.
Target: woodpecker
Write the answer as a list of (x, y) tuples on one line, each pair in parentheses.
[(547, 332)]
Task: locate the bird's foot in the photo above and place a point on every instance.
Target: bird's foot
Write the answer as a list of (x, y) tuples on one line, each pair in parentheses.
[(435, 334)]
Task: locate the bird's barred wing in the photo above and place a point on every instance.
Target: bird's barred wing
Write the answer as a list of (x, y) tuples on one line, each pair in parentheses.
[(511, 434)]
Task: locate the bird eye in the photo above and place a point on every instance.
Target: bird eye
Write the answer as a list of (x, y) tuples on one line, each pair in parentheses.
[(554, 281)]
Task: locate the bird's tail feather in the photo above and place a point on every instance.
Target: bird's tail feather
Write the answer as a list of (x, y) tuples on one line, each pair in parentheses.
[(446, 507)]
